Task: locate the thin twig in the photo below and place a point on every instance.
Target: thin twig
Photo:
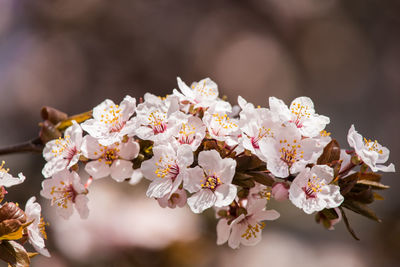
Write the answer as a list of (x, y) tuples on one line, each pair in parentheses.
[(34, 145)]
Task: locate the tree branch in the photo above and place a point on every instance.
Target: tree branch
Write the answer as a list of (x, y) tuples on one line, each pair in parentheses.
[(34, 145)]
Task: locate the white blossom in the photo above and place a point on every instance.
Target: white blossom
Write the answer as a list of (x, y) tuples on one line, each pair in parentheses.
[(191, 132), (300, 113), (255, 124), (158, 119), (220, 126), (311, 190), (7, 179), (36, 230), (112, 122), (64, 152), (65, 190), (288, 153), (113, 160), (167, 169), (211, 182), (247, 228), (201, 94), (371, 152)]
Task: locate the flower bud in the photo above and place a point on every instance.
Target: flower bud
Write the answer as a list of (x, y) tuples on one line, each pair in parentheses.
[(12, 219), (48, 131), (280, 191), (53, 115), (11, 211)]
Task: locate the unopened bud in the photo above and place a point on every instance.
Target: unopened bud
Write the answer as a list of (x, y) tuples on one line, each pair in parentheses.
[(11, 211), (53, 115), (48, 131)]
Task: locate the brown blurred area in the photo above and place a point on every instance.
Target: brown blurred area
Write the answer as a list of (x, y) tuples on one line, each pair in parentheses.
[(72, 55)]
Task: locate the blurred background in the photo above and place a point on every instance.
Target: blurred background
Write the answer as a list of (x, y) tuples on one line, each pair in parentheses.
[(72, 55)]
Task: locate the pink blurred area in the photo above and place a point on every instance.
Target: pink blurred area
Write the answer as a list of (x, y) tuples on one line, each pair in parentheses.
[(72, 55)]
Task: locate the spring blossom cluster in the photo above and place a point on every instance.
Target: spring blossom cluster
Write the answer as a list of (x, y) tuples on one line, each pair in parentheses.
[(196, 149), (191, 146)]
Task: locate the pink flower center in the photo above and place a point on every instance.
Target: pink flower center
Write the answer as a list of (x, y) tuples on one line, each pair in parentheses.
[(117, 126), (253, 230), (167, 168), (62, 194), (262, 132), (210, 182), (221, 124), (157, 121), (187, 134), (112, 117), (290, 152), (300, 111), (313, 187), (65, 148)]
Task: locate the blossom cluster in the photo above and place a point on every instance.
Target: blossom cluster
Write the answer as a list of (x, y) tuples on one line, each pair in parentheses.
[(195, 148)]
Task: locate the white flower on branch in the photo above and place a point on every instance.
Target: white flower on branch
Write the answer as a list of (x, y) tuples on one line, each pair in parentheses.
[(256, 124), (167, 169), (113, 160), (64, 152), (211, 182), (65, 190), (220, 126), (191, 132), (201, 94), (371, 152), (288, 153), (300, 113), (311, 190), (158, 119), (7, 179), (36, 230), (112, 122), (247, 228)]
